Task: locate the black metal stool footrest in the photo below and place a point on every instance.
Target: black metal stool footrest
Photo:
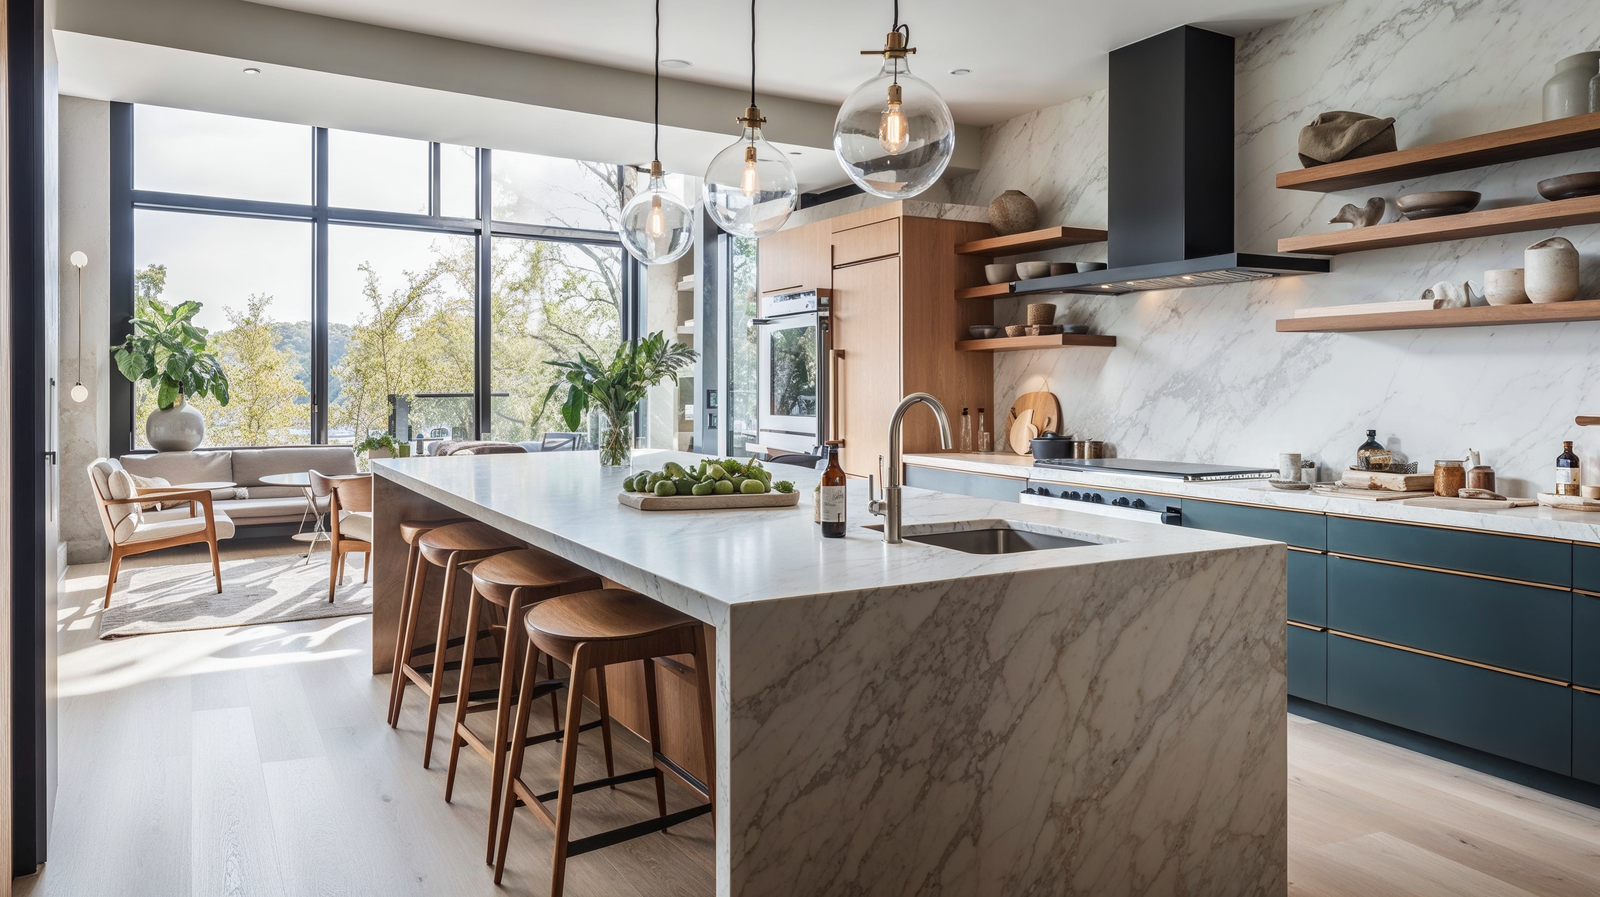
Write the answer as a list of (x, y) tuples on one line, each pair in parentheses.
[(635, 830), (556, 735), (451, 666), (592, 784)]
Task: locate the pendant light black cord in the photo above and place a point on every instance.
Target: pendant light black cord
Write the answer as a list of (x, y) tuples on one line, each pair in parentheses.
[(656, 153), (753, 51), (899, 27)]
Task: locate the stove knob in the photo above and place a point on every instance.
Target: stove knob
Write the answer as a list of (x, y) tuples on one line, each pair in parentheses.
[(1120, 502), (1097, 498), (1030, 491), (1072, 495), (1044, 490), (1138, 503)]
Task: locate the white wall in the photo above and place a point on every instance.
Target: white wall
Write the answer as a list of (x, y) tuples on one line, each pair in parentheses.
[(1201, 374), (85, 226)]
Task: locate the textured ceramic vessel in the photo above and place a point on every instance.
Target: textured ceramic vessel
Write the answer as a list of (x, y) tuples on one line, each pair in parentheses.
[(1012, 212), (1567, 92), (1033, 270), (180, 428), (1551, 273), (1503, 286), (1000, 272)]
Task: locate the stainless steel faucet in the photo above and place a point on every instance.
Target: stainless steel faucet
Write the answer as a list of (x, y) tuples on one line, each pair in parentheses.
[(889, 507)]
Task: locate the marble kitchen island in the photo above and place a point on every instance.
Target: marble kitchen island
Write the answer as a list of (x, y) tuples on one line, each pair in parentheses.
[(906, 719)]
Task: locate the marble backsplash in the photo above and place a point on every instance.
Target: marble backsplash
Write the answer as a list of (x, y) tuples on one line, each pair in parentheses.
[(1201, 375)]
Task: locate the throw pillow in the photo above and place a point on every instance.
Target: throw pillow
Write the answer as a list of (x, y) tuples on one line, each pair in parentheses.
[(142, 483)]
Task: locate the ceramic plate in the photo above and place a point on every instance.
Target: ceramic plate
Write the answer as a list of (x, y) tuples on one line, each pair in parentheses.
[(1291, 485), (1434, 204), (1570, 186)]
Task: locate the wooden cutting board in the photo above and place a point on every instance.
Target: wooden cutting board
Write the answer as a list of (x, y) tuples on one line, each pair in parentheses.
[(1568, 502), (1369, 494), (1392, 482), (1470, 504), (1022, 431), (644, 502), (1046, 416)]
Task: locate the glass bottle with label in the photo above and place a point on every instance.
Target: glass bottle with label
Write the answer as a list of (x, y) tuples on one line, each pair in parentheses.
[(831, 503), (1568, 477), (1367, 449), (966, 432), (985, 444)]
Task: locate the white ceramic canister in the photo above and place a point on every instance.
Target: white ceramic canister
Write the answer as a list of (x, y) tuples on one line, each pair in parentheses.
[(1551, 270)]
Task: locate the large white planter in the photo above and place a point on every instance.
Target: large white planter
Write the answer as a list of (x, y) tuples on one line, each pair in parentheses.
[(180, 428)]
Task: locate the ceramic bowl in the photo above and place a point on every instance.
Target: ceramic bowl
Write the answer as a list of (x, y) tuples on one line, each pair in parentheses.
[(984, 331), (1016, 329), (1033, 270), (1436, 203), (1059, 268), (1504, 286), (1086, 267), (1000, 273), (1569, 186)]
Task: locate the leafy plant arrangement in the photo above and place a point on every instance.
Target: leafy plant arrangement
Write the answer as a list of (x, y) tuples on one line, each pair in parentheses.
[(169, 351), (382, 440), (615, 389)]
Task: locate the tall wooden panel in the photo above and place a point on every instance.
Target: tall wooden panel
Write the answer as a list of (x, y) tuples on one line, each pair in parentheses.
[(933, 324), (867, 321), (797, 258)]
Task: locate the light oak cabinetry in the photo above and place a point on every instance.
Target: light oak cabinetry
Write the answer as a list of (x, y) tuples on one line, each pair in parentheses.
[(894, 328)]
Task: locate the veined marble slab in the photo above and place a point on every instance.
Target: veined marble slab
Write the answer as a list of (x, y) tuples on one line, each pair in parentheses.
[(1549, 523), (1105, 720)]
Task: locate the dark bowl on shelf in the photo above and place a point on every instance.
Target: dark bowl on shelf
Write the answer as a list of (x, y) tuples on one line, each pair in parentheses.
[(1437, 203), (1570, 186)]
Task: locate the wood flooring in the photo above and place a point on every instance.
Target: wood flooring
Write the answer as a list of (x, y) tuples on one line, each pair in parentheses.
[(255, 761)]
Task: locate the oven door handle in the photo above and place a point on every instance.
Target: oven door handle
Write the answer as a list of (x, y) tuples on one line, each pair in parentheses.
[(834, 357)]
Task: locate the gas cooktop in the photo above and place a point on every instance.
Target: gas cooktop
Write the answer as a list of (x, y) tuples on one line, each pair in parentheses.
[(1177, 470)]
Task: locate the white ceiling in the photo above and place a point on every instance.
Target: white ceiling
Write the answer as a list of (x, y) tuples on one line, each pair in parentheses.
[(1024, 54)]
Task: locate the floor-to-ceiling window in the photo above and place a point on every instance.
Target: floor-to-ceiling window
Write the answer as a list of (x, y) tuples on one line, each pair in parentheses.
[(743, 374), (355, 284)]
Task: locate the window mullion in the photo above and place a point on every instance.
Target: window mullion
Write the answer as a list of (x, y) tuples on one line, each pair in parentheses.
[(483, 380), (320, 370)]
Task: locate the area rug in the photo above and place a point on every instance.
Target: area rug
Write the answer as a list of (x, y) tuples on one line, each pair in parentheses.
[(274, 589)]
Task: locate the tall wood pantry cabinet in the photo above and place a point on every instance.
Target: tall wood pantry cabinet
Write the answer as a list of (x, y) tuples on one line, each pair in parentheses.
[(896, 321)]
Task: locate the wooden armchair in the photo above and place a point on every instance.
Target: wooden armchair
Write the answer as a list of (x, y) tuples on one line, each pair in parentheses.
[(132, 530), (350, 516)]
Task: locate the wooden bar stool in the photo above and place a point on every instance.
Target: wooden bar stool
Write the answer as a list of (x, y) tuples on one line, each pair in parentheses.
[(450, 547), (506, 585), (410, 531), (590, 631)]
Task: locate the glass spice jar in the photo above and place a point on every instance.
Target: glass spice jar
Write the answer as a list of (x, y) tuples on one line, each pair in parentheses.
[(1449, 478)]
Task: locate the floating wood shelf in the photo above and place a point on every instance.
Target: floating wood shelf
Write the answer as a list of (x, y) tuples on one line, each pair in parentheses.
[(1479, 316), (1486, 223), (987, 291), (1017, 343), (1564, 135), (1032, 241)]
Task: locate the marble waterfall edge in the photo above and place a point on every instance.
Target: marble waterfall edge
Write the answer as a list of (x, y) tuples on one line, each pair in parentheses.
[(1099, 730)]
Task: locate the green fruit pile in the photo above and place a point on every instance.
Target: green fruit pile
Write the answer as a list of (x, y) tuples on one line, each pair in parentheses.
[(725, 477)]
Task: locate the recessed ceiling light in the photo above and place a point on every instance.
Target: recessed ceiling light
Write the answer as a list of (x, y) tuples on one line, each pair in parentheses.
[(961, 71), (252, 70), (675, 63)]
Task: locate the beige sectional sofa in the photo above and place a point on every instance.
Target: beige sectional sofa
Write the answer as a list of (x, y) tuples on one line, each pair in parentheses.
[(250, 502)]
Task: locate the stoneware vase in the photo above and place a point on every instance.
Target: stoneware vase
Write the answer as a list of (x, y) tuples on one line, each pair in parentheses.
[(1012, 212), (180, 428), (1551, 270), (1504, 286), (1567, 92)]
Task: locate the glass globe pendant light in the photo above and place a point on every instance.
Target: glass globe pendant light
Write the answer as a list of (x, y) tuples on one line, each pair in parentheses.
[(656, 226), (750, 187), (894, 134)]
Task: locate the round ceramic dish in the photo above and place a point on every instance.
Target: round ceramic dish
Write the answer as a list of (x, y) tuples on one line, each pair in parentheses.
[(1033, 270), (1437, 203), (984, 331), (1570, 186)]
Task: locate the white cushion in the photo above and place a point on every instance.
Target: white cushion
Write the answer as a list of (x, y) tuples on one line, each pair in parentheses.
[(176, 522), (122, 486), (356, 525)]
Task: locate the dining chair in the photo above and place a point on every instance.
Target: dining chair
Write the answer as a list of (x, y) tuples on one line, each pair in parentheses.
[(350, 516)]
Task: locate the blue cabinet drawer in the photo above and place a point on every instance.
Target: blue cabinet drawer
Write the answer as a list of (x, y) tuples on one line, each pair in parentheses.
[(1308, 588), (975, 484), (1529, 560), (1300, 529), (1504, 715), (1509, 625), (1586, 640), (1586, 736), (1586, 567), (1308, 664)]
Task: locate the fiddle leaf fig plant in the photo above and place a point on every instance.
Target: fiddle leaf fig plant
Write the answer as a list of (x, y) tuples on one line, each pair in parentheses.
[(169, 352)]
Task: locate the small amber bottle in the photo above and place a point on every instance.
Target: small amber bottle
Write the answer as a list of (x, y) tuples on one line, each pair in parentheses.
[(1568, 477), (833, 496)]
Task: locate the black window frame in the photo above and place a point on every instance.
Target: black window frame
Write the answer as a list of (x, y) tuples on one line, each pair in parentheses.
[(126, 201)]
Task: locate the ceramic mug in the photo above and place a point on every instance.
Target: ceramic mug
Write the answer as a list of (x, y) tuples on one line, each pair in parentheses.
[(1504, 286), (1289, 466)]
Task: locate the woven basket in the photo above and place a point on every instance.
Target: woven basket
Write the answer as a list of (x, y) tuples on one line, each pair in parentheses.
[(1041, 313)]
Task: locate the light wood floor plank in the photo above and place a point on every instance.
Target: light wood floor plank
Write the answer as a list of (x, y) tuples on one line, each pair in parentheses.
[(285, 727), (233, 851), (317, 853)]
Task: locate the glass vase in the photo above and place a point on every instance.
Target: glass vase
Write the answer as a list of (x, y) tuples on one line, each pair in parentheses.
[(615, 439)]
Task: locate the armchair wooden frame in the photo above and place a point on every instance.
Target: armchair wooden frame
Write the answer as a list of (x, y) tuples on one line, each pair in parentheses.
[(346, 493), (195, 497)]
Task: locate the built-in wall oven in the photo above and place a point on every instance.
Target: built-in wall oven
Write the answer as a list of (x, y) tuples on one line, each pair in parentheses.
[(792, 350), (1147, 507)]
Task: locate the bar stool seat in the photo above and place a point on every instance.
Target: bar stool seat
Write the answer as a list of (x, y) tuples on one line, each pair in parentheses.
[(589, 631), (410, 532), (512, 582), (451, 547)]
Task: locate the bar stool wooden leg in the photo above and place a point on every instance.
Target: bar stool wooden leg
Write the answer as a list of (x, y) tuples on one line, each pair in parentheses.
[(409, 641), (395, 677), (519, 744), (469, 652), (502, 716), (605, 715), (569, 769), (655, 735), (436, 675)]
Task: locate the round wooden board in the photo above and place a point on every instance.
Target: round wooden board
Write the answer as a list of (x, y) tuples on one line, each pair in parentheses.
[(1046, 416)]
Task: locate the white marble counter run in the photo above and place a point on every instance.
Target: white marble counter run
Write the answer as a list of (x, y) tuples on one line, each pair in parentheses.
[(1106, 719), (1549, 523)]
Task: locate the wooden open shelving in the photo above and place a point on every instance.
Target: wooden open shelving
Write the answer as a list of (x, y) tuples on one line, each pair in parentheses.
[(1564, 135), (987, 291), (1032, 241), (1477, 316), (1485, 223), (1017, 343)]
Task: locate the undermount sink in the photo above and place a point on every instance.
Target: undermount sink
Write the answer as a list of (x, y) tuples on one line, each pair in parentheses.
[(990, 537)]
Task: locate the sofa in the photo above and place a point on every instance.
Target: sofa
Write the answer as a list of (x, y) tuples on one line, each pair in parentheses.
[(249, 502)]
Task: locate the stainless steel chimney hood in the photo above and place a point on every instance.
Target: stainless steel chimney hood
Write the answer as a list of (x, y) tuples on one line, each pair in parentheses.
[(1170, 188)]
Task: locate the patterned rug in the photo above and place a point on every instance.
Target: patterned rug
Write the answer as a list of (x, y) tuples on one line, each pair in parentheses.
[(274, 589)]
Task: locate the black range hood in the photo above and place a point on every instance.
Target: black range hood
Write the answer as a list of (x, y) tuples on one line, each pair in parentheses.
[(1171, 175)]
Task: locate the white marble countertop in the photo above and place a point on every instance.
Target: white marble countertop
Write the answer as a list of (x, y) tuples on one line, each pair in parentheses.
[(1550, 523), (564, 502)]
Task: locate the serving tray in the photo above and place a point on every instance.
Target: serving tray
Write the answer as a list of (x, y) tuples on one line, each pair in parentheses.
[(646, 502)]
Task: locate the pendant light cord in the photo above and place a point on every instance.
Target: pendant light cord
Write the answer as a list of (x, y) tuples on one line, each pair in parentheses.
[(753, 51), (80, 325), (656, 149), (904, 29)]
